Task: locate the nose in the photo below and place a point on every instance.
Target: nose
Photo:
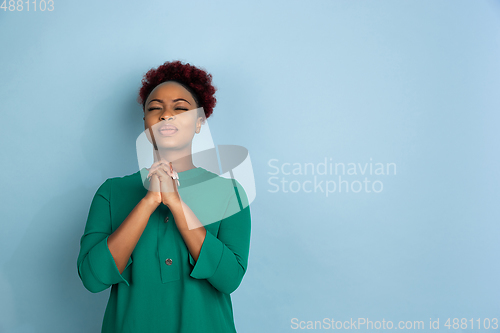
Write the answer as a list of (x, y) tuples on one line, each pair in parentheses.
[(167, 116)]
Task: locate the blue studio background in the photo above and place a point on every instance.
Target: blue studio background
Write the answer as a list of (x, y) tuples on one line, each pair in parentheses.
[(402, 94)]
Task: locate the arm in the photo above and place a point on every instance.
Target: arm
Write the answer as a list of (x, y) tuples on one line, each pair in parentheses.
[(98, 265), (191, 229), (122, 242), (222, 259)]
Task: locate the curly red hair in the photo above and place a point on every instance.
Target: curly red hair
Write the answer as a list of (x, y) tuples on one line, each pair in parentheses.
[(197, 81)]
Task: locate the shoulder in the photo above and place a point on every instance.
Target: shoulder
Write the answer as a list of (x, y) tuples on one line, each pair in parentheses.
[(120, 184), (229, 188), (218, 184)]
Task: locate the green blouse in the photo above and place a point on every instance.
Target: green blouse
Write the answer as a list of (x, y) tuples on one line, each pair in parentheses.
[(163, 289)]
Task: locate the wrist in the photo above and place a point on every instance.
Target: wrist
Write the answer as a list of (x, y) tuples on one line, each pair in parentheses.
[(175, 205), (152, 204)]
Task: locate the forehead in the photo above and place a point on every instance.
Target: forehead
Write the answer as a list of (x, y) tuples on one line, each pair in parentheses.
[(170, 90)]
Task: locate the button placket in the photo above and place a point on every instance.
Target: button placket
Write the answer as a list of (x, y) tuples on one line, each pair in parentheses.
[(167, 249)]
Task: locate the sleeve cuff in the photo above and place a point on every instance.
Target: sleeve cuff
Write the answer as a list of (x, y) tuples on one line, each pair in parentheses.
[(209, 258), (103, 264)]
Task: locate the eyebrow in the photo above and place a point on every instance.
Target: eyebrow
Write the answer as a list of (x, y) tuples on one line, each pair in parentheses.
[(175, 100)]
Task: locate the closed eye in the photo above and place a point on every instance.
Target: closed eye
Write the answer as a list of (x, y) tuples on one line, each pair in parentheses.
[(182, 109)]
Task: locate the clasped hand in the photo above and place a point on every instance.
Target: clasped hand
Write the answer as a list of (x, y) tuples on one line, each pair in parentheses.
[(163, 180)]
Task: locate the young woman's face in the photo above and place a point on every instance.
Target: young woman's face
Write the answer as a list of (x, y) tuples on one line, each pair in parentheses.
[(170, 112)]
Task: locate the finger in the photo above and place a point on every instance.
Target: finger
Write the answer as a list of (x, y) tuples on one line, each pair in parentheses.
[(168, 165), (155, 164), (158, 167), (162, 174), (166, 181), (173, 172), (177, 183), (163, 168), (164, 162), (175, 176)]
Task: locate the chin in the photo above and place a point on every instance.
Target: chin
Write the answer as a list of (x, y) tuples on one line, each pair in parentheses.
[(170, 143), (166, 144)]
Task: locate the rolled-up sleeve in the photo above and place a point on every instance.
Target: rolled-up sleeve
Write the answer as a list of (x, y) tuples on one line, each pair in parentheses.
[(223, 259), (96, 266)]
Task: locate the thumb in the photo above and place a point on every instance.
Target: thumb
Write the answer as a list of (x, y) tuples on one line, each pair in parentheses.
[(166, 184), (154, 183)]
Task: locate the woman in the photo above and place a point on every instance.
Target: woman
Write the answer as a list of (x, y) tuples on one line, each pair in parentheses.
[(172, 248)]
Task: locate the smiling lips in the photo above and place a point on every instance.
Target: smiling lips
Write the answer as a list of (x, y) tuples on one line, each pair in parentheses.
[(168, 130)]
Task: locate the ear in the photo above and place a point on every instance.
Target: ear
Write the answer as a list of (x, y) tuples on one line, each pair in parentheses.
[(198, 124)]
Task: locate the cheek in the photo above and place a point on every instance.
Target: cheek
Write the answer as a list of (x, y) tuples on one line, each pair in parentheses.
[(189, 123), (188, 129), (148, 123)]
